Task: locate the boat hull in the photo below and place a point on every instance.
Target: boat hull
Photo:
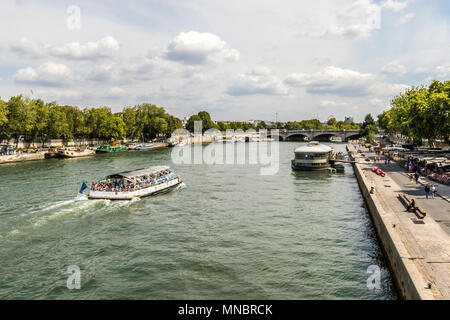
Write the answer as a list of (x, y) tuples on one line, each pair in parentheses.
[(299, 167), (75, 154), (111, 195), (49, 155)]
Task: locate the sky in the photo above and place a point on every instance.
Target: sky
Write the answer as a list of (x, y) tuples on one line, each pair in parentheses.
[(237, 59)]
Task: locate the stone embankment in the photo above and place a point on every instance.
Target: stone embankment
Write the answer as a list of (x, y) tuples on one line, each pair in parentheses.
[(417, 247)]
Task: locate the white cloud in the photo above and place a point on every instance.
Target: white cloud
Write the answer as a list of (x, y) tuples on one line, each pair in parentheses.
[(394, 68), (194, 48), (421, 69), (442, 71), (329, 103), (385, 89), (103, 73), (344, 83), (332, 80), (395, 6), (115, 92), (358, 20), (47, 74), (27, 47), (149, 67), (407, 18), (375, 101), (57, 93), (260, 80), (104, 48)]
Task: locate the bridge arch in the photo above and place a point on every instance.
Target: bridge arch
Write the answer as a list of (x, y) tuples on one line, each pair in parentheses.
[(353, 137), (325, 137), (297, 137)]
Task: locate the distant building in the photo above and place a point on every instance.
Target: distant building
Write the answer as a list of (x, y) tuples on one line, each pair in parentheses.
[(254, 122), (349, 120), (184, 121)]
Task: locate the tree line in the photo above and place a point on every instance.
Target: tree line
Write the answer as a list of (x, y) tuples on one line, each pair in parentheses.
[(313, 124), (41, 121), (420, 113)]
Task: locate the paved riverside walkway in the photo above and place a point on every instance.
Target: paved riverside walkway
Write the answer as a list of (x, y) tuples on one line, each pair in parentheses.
[(428, 244)]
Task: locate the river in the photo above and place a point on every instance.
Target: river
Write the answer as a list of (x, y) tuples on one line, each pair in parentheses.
[(229, 233)]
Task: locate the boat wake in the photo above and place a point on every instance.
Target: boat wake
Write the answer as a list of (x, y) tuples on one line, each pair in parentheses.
[(68, 207), (81, 204)]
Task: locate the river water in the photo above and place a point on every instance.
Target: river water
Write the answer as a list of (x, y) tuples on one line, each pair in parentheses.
[(229, 233)]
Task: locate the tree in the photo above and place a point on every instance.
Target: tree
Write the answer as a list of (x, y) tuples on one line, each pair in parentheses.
[(76, 121), (313, 124), (128, 116), (117, 128), (40, 129), (384, 119), (332, 122), (207, 123), (223, 126), (191, 122), (420, 113), (21, 117), (293, 125), (369, 128), (3, 118), (261, 125), (58, 126)]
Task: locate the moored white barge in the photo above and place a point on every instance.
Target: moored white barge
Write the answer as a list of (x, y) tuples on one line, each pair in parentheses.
[(313, 156)]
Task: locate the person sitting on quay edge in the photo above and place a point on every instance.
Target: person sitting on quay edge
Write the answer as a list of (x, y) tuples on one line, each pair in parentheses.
[(412, 205)]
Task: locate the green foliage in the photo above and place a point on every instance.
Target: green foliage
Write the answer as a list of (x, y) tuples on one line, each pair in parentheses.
[(3, 117), (205, 118), (332, 122), (38, 120), (369, 129), (420, 113), (21, 117), (222, 126), (58, 124), (190, 125)]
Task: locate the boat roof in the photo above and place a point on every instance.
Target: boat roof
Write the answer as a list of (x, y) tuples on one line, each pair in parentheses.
[(313, 146), (139, 172)]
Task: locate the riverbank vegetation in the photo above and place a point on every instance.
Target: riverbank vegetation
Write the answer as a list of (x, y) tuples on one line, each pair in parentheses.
[(312, 124), (420, 113), (41, 121), (369, 128)]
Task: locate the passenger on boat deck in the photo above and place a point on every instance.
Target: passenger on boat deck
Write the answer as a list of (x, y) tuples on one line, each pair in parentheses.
[(119, 186)]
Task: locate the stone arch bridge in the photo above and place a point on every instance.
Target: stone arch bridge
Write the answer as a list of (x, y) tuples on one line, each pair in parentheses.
[(318, 135)]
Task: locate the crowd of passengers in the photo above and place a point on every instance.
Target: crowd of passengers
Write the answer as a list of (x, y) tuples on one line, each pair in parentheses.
[(125, 186)]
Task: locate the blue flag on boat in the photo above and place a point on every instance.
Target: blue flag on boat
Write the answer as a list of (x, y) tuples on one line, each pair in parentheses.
[(83, 186)]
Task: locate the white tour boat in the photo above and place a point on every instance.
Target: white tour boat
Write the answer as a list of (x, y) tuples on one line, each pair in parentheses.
[(133, 184)]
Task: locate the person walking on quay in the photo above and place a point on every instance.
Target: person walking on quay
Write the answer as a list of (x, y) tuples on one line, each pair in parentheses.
[(433, 191), (427, 190), (410, 178), (416, 177)]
